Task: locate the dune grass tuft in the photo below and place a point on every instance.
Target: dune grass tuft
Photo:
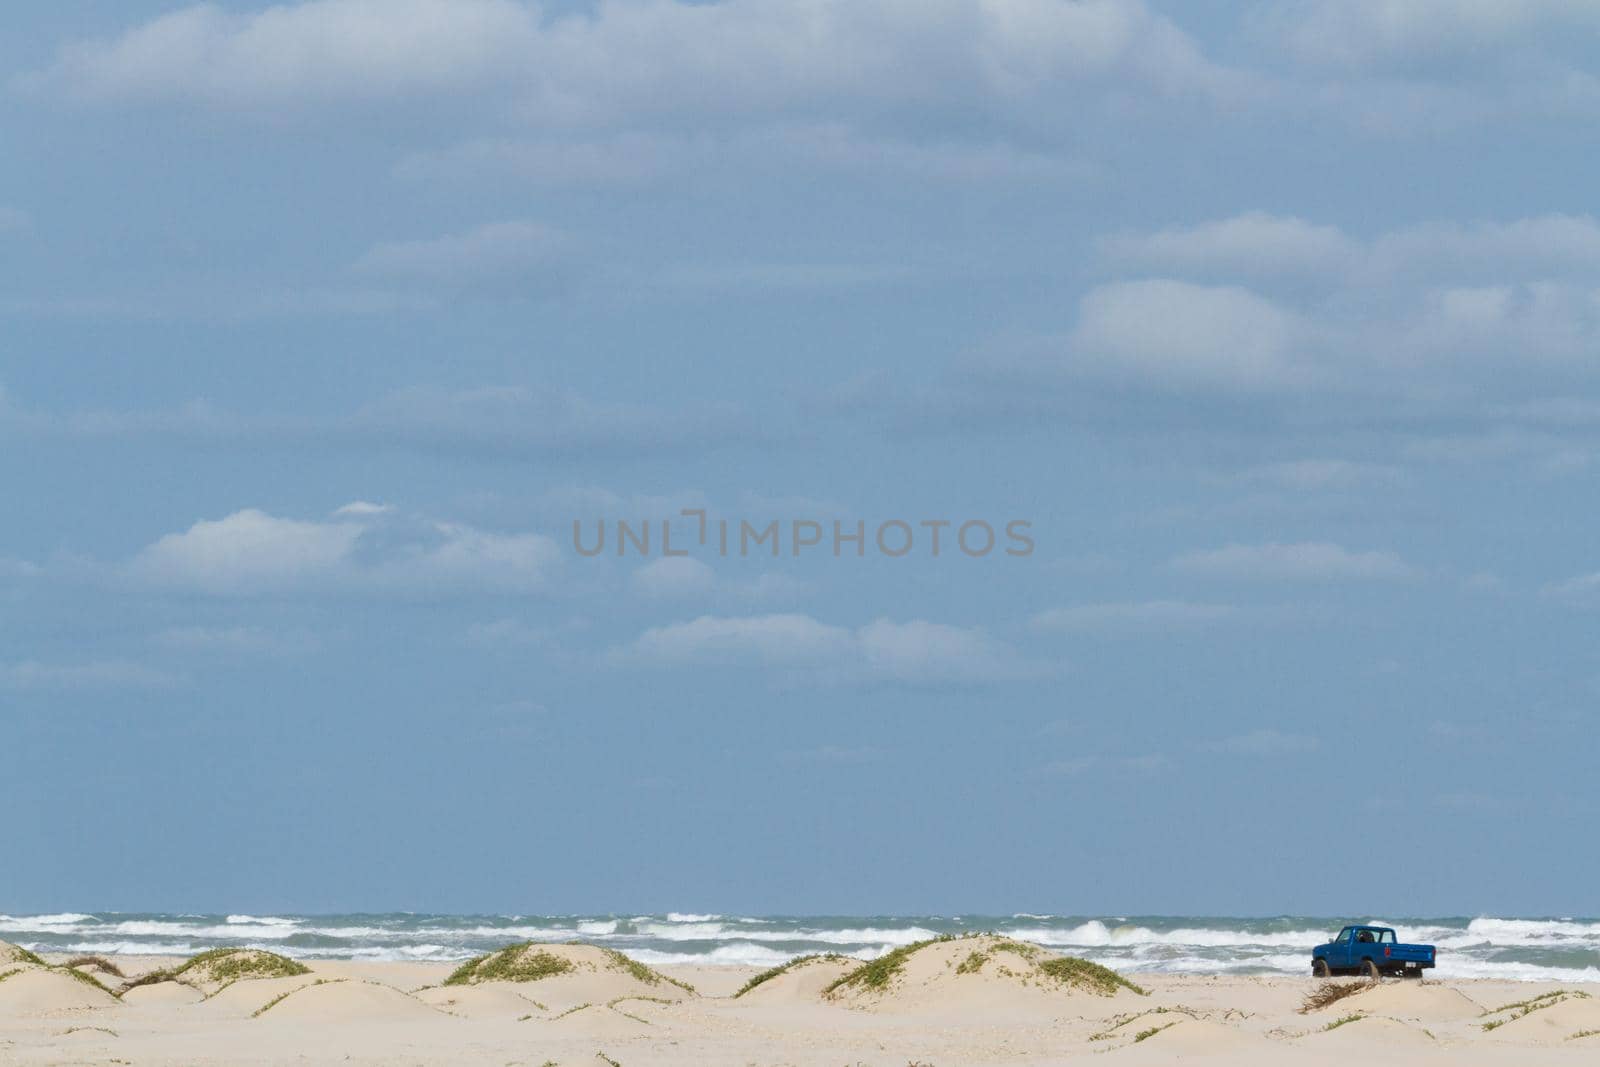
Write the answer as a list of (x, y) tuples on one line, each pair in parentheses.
[(19, 954), (1145, 1035), (82, 976), (877, 974), (1082, 974), (1354, 1017), (640, 972), (1331, 993), (1523, 1008), (521, 962), (784, 968), (98, 962), (229, 965)]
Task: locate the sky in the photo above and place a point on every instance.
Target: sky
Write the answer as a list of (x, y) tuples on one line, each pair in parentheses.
[(1274, 325)]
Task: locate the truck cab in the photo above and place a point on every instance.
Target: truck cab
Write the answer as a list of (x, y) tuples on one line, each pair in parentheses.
[(1371, 950)]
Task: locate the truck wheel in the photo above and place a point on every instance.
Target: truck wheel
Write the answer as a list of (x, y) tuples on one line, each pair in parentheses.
[(1372, 971), (1319, 969)]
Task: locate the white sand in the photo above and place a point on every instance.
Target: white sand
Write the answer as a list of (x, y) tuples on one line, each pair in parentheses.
[(929, 1014)]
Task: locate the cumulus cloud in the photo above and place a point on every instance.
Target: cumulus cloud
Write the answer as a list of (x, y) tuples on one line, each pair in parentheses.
[(1358, 33), (1265, 743), (1177, 335), (519, 252), (31, 675), (1320, 474), (1133, 615), (253, 553), (1303, 561), (1254, 244), (914, 652), (235, 640), (1260, 246), (510, 420), (636, 58), (674, 576), (314, 50)]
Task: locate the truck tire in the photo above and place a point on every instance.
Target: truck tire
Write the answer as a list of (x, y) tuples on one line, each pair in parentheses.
[(1319, 969), (1371, 967)]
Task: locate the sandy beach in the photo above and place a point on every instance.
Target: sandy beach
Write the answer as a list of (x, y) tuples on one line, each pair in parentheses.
[(951, 1003)]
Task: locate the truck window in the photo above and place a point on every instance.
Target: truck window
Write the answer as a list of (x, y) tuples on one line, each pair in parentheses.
[(1344, 936), (1386, 937)]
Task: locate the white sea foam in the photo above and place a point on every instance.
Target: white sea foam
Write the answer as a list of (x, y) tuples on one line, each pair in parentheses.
[(686, 917)]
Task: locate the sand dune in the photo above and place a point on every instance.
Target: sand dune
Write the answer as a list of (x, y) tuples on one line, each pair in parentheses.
[(345, 1000), (1374, 1034), (564, 976), (973, 1002), (38, 991), (803, 980), (983, 973), (1428, 1003)]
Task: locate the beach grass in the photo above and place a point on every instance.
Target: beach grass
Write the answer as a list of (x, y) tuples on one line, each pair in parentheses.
[(784, 968), (877, 974), (521, 962), (1355, 1017), (96, 961), (1331, 993)]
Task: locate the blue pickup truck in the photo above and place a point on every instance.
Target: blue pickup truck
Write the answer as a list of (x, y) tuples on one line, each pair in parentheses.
[(1370, 950)]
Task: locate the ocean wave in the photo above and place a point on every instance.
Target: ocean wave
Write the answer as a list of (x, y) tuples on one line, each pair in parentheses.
[(688, 917), (270, 920), (21, 924)]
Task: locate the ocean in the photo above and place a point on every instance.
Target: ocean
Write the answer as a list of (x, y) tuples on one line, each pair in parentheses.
[(1565, 949)]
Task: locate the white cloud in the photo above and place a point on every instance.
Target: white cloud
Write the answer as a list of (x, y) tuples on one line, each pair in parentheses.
[(674, 576), (1264, 247), (513, 420), (768, 640), (32, 675), (1265, 743), (628, 59), (1177, 335), (914, 652), (235, 640), (1306, 561), (1584, 587), (1134, 615), (1251, 245), (1319, 474), (250, 552), (508, 633), (316, 50), (1358, 33), (247, 551), (518, 251)]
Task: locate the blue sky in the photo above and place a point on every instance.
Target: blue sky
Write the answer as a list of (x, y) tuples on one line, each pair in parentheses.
[(321, 322)]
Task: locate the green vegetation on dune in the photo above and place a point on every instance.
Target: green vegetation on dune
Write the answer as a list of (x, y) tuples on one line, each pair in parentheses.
[(528, 961), (82, 976), (522, 962), (973, 963), (784, 968), (1145, 1035), (1082, 974), (1523, 1008), (640, 972), (877, 974), (230, 965), (18, 954)]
